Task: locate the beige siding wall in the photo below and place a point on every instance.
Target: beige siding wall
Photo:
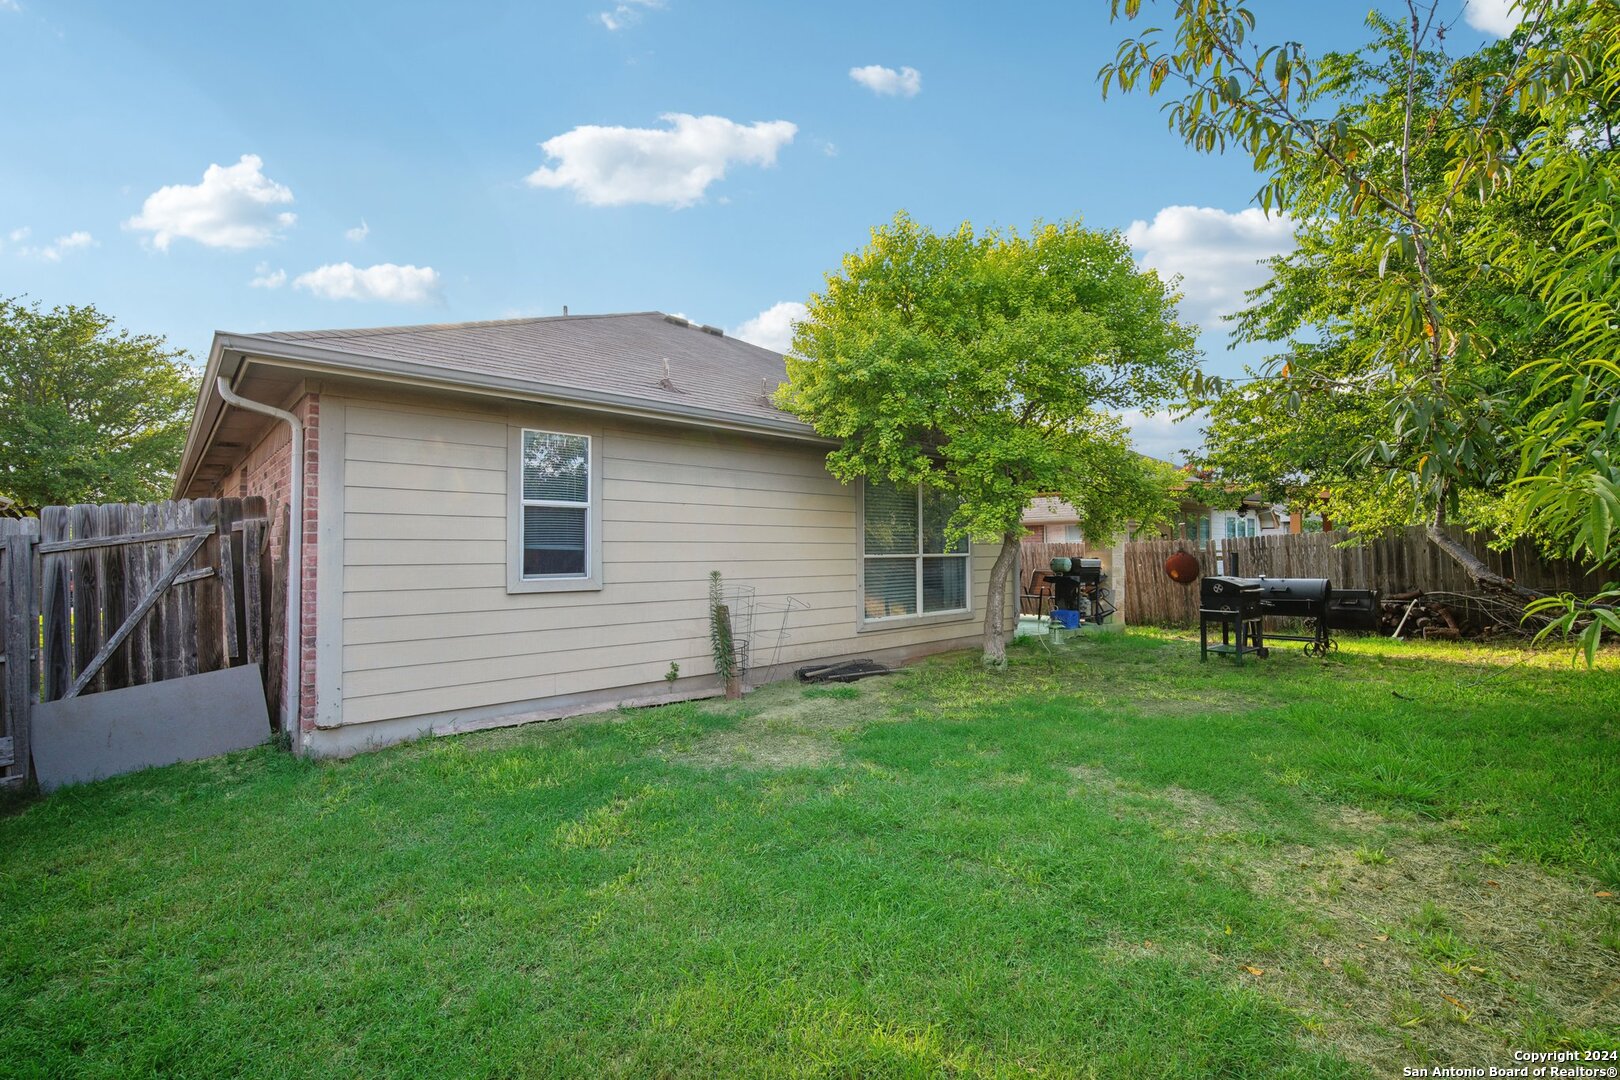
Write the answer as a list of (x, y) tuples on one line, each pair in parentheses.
[(427, 624)]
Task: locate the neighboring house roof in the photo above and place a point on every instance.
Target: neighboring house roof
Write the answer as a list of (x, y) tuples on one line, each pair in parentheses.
[(1049, 510), (640, 363)]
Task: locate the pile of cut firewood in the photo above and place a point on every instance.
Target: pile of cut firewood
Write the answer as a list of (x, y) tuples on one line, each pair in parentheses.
[(1453, 616)]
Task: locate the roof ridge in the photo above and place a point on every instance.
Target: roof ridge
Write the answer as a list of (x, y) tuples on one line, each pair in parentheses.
[(379, 331)]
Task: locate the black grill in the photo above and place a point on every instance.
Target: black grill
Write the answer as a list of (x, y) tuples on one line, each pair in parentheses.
[(1354, 609), (1234, 604), (1079, 588), (1241, 606), (1299, 598)]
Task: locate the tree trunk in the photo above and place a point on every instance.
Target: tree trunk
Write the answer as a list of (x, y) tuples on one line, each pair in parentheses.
[(995, 606), (1477, 571)]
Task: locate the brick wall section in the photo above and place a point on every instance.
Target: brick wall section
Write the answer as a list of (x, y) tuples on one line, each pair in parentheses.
[(267, 470)]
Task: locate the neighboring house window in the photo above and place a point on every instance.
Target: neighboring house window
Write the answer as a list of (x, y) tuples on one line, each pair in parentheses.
[(909, 568), (1071, 534), (1240, 526), (1203, 527), (556, 478)]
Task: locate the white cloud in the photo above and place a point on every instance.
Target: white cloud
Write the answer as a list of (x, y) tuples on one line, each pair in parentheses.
[(628, 13), (267, 278), (907, 82), (1498, 17), (772, 328), (617, 166), (385, 281), (359, 232), (235, 206), (73, 241), (1163, 437), (53, 251), (10, 5), (1216, 253)]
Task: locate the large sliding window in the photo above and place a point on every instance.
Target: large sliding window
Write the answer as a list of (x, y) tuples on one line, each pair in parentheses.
[(556, 477), (909, 568)]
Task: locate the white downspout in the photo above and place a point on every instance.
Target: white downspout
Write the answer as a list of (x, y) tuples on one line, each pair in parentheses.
[(291, 683)]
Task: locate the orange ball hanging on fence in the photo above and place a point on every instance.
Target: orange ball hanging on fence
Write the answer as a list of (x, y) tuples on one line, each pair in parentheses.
[(1182, 567)]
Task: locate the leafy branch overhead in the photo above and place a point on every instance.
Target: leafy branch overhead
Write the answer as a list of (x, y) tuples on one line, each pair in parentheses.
[(1447, 313)]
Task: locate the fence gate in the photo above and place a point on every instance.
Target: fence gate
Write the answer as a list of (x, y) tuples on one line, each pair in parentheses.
[(19, 633), (124, 595)]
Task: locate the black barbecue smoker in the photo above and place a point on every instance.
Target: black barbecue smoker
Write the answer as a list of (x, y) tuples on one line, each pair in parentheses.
[(1233, 604), (1241, 605), (1306, 599)]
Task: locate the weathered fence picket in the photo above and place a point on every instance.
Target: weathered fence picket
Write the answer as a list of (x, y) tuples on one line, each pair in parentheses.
[(1398, 562), (18, 634)]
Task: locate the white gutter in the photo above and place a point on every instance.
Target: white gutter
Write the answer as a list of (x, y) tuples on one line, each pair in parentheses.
[(291, 683)]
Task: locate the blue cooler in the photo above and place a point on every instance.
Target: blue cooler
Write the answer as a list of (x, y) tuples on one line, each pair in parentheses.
[(1069, 620)]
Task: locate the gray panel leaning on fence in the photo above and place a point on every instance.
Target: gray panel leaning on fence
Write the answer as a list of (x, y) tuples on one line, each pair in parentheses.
[(121, 596), (136, 727)]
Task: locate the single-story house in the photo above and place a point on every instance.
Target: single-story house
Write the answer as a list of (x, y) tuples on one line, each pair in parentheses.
[(516, 520)]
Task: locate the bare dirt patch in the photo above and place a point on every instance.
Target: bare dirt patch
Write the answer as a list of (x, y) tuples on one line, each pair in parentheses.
[(1415, 947), (788, 726), (1429, 952)]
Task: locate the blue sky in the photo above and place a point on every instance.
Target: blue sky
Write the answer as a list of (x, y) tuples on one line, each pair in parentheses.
[(191, 167)]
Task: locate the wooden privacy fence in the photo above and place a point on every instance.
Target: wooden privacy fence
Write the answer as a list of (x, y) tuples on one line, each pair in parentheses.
[(19, 636), (1397, 562), (97, 598)]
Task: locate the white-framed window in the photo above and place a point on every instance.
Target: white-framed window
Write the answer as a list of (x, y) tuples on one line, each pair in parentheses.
[(1238, 527), (555, 511), (908, 567), (556, 478)]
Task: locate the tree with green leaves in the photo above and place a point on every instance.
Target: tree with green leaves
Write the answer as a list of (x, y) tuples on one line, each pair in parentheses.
[(993, 366), (87, 413), (1570, 458), (1400, 162), (1328, 420), (1569, 475)]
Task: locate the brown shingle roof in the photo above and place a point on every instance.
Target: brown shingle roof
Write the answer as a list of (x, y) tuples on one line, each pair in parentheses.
[(621, 355)]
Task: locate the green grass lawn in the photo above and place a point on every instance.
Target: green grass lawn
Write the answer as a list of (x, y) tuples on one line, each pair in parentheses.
[(1112, 861)]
